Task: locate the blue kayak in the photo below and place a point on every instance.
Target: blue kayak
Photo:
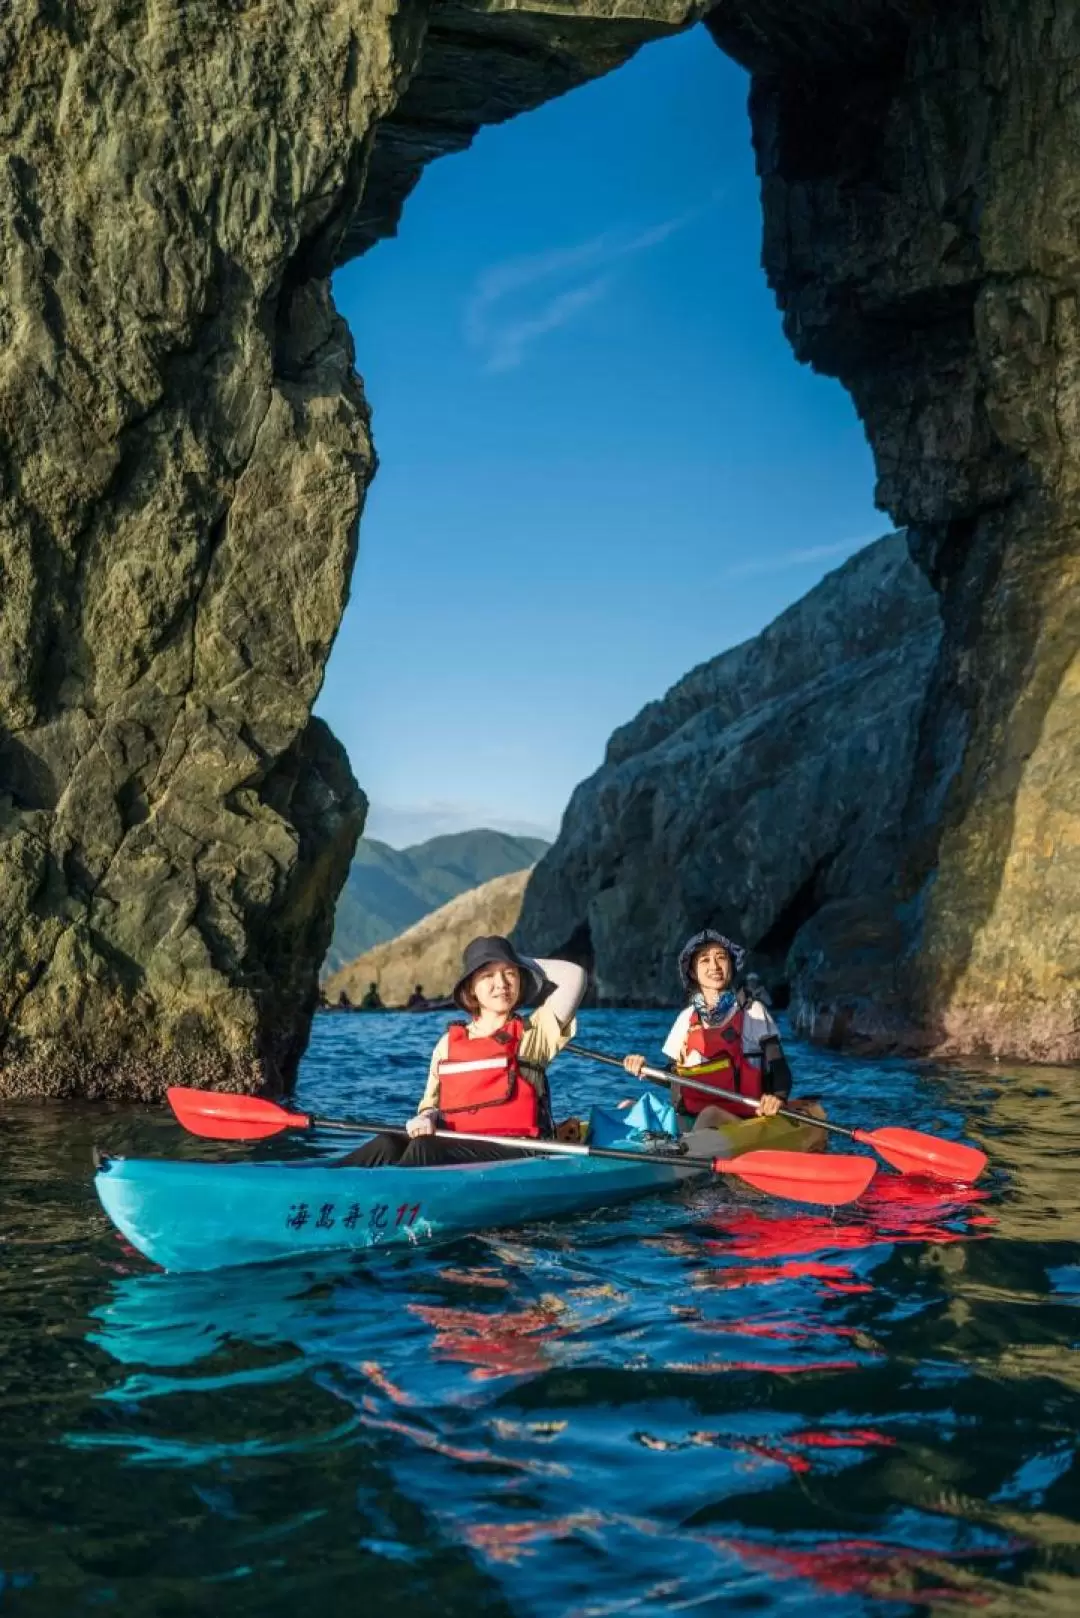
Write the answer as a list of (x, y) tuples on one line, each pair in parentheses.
[(203, 1216)]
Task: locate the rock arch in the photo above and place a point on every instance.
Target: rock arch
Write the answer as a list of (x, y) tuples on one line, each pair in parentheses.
[(184, 451), (920, 205)]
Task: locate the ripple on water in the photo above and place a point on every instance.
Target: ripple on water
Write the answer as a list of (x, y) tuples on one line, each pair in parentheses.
[(708, 1402)]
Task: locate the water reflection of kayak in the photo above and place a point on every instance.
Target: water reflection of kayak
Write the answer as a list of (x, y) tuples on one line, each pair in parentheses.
[(202, 1216)]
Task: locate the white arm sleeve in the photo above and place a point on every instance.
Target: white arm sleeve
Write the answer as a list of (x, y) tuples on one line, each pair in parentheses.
[(676, 1040), (757, 1026), (570, 982)]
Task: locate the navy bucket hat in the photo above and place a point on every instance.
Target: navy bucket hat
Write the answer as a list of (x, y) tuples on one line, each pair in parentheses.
[(700, 941), (496, 950)]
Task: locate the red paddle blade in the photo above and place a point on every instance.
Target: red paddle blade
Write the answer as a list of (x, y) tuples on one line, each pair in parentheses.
[(814, 1177), (217, 1115), (912, 1152)]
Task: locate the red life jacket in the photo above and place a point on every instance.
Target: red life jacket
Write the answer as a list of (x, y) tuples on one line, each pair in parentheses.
[(481, 1090), (729, 1068)]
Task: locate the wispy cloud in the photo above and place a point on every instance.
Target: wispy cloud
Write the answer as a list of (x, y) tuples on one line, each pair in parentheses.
[(800, 557), (517, 302), (507, 344)]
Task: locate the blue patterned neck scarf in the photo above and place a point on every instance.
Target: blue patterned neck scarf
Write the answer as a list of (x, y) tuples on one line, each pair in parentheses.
[(719, 1013)]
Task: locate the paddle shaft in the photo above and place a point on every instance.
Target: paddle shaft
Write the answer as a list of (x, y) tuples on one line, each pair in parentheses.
[(908, 1150), (659, 1077), (831, 1181), (520, 1143)]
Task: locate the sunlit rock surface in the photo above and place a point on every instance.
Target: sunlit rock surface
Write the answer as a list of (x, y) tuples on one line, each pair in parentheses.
[(184, 451), (762, 791)]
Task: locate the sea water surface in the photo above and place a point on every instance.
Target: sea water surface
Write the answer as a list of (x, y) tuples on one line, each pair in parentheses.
[(705, 1402)]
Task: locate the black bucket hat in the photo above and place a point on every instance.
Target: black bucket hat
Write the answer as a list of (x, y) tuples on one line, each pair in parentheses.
[(488, 952), (701, 941)]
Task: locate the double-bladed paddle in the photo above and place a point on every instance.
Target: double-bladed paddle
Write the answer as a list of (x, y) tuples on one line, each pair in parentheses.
[(908, 1150), (829, 1181)]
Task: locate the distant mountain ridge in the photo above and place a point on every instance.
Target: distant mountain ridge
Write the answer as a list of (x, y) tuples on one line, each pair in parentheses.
[(429, 953), (389, 889)]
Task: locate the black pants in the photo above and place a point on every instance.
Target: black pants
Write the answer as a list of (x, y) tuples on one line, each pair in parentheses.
[(423, 1152)]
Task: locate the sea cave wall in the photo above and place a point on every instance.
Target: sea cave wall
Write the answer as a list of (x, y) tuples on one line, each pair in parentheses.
[(920, 198), (184, 451), (761, 794)]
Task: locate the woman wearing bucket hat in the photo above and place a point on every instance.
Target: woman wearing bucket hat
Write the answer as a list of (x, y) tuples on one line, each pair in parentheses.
[(488, 1076), (729, 1036)]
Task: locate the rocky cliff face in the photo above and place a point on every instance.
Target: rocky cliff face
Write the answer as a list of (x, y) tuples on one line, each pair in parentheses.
[(765, 788), (184, 452), (919, 189), (430, 951)]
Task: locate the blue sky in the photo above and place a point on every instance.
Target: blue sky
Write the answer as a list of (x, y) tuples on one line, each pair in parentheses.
[(600, 462)]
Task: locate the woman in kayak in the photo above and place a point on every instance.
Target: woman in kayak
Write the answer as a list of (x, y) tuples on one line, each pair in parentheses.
[(730, 1036), (488, 1076)]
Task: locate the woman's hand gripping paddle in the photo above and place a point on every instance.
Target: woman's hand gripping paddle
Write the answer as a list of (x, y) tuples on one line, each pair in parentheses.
[(908, 1150), (830, 1181)]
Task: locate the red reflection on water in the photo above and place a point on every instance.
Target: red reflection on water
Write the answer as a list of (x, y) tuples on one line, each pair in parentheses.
[(779, 1329), (786, 1330), (375, 1373), (508, 1542), (847, 1438), (898, 1200), (772, 1452), (511, 1344), (129, 1252), (764, 1236), (428, 1440), (753, 1447), (785, 1450), (771, 1367), (867, 1567), (896, 1208), (863, 1567), (424, 1439), (752, 1235), (834, 1277), (485, 1277)]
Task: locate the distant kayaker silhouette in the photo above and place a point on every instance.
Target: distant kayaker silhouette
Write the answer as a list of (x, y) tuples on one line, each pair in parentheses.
[(417, 1001), (371, 1000)]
